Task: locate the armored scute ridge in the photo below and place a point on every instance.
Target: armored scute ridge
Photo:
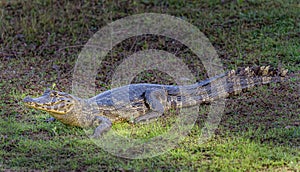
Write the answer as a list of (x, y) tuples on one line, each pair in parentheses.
[(147, 101)]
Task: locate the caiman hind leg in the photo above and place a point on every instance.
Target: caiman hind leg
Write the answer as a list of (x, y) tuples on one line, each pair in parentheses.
[(103, 125), (156, 100)]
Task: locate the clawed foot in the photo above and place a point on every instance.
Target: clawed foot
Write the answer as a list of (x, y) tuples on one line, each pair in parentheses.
[(52, 119)]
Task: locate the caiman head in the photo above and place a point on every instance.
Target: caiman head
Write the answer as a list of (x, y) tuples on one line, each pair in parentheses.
[(54, 102)]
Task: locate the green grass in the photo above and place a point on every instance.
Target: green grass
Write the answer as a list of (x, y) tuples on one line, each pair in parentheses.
[(39, 45)]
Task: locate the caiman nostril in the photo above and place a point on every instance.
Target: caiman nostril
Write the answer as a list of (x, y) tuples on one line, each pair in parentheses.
[(27, 99)]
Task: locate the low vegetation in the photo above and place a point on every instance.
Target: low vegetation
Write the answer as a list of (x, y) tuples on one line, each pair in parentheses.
[(41, 40)]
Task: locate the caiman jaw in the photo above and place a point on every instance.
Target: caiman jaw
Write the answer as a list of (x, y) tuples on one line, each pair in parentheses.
[(52, 102)]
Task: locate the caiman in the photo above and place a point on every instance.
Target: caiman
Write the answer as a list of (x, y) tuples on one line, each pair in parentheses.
[(141, 102)]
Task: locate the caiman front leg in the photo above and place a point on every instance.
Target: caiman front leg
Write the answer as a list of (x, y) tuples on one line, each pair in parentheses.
[(103, 125), (156, 100)]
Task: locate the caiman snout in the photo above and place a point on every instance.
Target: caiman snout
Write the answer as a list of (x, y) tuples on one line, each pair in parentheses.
[(58, 103), (38, 100)]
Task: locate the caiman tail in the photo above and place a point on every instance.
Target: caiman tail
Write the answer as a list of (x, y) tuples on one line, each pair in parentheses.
[(231, 83)]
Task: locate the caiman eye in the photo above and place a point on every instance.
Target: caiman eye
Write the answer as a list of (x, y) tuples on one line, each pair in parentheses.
[(53, 94), (61, 99)]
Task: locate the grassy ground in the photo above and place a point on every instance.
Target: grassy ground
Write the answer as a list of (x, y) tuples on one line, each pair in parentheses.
[(39, 45)]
